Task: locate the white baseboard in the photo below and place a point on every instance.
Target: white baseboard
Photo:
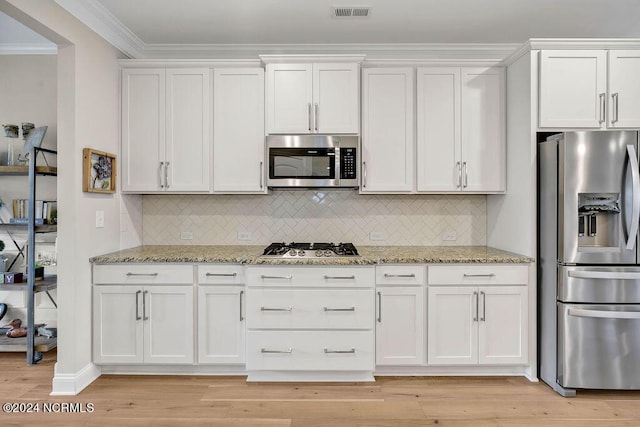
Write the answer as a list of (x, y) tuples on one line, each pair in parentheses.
[(72, 384)]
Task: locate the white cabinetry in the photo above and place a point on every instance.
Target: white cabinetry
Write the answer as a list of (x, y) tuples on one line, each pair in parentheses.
[(221, 314), (591, 89), (166, 130), (312, 320), (312, 98), (387, 130), (460, 130), (143, 314), (400, 320), (238, 131), (473, 318)]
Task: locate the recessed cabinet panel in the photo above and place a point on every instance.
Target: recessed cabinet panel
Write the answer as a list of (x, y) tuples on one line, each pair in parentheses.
[(289, 97), (335, 88), (624, 89), (221, 325)]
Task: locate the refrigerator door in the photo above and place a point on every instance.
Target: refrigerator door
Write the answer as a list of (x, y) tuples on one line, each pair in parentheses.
[(598, 197)]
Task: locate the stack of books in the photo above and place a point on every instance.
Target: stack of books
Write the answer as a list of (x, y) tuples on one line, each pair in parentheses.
[(46, 212)]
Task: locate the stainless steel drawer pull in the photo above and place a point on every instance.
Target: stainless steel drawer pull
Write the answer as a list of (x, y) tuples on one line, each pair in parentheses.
[(142, 274), (276, 309), (379, 307), (339, 309), (399, 275), (241, 309), (221, 274), (289, 277), (339, 277), (287, 351), (479, 275), (601, 314), (351, 351)]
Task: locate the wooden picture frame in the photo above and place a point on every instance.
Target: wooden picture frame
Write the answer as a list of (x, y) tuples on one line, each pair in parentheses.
[(98, 171)]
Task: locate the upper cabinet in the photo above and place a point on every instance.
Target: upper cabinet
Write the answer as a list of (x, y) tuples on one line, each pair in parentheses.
[(238, 131), (312, 98), (166, 130), (590, 89)]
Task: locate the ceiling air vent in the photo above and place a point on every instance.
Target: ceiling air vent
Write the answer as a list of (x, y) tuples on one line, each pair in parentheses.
[(350, 11)]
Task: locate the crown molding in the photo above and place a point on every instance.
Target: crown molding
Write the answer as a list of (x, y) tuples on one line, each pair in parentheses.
[(95, 16), (190, 63), (579, 44), (28, 49)]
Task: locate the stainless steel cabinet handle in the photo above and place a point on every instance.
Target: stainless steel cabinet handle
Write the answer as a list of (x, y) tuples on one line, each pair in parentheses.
[(309, 115), (144, 305), (466, 177), (364, 174), (459, 175), (166, 174), (339, 277), (261, 175), (161, 174), (137, 306), (602, 108), (479, 275), (379, 307), (350, 351), (399, 275), (241, 297), (339, 309), (142, 274), (614, 100), (315, 116), (289, 277), (601, 314), (287, 351), (276, 309), (221, 274), (475, 300), (484, 306), (635, 208)]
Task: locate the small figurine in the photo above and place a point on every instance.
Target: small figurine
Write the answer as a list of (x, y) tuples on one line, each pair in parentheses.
[(16, 330)]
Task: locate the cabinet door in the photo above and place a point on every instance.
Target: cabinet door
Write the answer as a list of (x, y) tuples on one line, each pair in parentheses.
[(168, 324), (572, 88), (502, 325), (483, 146), (289, 98), (221, 325), (387, 130), (400, 326), (335, 98), (188, 130), (143, 129), (238, 130), (624, 89), (117, 324), (438, 130), (452, 336)]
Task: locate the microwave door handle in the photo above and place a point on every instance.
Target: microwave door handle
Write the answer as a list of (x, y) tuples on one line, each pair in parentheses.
[(635, 194)]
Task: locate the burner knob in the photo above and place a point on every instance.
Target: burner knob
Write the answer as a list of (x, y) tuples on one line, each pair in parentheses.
[(327, 252), (292, 252), (319, 253), (301, 252)]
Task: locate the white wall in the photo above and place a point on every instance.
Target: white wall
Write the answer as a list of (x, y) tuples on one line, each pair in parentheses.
[(88, 88)]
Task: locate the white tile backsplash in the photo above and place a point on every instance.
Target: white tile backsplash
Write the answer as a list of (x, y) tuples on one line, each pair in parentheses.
[(316, 216)]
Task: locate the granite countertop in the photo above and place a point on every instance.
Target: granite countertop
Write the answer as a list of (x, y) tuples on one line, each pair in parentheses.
[(243, 254)]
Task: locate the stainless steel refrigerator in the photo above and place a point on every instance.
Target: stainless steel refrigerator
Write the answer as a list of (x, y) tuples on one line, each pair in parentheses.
[(588, 272)]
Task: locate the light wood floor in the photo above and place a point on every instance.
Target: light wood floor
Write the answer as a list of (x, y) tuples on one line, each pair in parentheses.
[(229, 401)]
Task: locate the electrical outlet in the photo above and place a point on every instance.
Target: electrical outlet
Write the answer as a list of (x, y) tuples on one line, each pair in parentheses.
[(186, 235), (244, 235), (449, 236), (99, 219), (376, 235)]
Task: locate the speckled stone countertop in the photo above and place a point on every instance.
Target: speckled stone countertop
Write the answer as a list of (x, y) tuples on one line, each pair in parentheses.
[(369, 255)]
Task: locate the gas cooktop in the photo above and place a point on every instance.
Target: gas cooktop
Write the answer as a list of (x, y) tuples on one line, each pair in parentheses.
[(309, 250)]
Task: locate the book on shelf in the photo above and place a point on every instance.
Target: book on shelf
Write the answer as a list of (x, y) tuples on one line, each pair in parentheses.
[(45, 211)]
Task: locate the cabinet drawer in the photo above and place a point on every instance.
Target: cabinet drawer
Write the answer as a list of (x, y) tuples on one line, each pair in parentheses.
[(220, 274), (306, 276), (310, 350), (137, 274), (478, 275), (400, 275), (310, 309)]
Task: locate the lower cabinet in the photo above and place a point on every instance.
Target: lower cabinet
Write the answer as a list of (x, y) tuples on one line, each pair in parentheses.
[(143, 324), (484, 325)]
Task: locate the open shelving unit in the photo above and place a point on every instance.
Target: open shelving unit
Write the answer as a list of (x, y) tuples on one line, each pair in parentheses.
[(34, 346)]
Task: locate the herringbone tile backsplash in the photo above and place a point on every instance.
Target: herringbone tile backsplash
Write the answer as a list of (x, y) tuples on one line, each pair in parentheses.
[(316, 216)]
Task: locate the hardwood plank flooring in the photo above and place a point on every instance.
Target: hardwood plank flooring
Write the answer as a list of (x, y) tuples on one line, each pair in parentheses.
[(137, 400)]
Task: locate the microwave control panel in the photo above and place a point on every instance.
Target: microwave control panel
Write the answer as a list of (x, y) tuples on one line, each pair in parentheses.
[(348, 163)]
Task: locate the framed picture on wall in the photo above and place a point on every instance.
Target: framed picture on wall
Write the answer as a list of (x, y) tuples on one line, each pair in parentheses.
[(98, 171)]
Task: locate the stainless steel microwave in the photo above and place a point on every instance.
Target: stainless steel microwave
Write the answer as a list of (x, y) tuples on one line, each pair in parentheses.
[(308, 161)]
